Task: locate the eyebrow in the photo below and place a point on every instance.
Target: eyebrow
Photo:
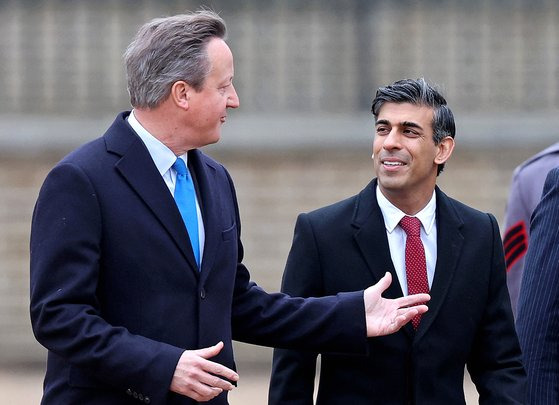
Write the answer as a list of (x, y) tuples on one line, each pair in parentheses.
[(411, 124), (403, 123)]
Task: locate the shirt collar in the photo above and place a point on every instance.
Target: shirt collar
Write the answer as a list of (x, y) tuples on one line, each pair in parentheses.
[(162, 156), (393, 215)]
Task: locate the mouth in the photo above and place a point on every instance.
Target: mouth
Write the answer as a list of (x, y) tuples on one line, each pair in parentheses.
[(392, 164)]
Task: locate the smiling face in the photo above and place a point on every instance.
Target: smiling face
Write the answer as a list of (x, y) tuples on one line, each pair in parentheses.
[(405, 155), (207, 108)]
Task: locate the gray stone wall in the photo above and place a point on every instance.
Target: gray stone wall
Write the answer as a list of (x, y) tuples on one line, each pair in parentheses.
[(64, 57), (302, 62)]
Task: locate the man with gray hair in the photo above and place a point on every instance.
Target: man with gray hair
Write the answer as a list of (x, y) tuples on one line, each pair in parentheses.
[(402, 222), (137, 281)]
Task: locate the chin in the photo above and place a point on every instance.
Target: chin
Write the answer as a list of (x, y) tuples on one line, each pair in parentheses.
[(213, 139), (390, 184)]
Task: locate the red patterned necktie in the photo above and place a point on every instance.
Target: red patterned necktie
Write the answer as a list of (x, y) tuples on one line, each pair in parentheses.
[(416, 268)]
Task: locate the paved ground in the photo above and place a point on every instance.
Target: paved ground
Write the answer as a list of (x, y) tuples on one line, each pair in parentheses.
[(23, 387)]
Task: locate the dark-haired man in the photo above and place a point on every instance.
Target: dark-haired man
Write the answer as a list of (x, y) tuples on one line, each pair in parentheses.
[(402, 222)]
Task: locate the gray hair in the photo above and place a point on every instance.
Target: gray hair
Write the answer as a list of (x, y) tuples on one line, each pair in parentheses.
[(421, 93), (166, 50)]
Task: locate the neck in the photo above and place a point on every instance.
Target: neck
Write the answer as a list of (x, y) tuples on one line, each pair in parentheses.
[(409, 203), (161, 123)]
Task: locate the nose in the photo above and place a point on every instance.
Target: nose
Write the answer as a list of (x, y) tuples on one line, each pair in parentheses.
[(233, 99), (392, 140)]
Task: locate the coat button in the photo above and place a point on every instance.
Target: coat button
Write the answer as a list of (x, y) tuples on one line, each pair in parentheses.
[(147, 400), (129, 391), (140, 397), (202, 293), (135, 394)]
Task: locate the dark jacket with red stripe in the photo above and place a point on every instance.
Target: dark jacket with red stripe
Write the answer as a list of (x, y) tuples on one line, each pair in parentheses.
[(525, 193)]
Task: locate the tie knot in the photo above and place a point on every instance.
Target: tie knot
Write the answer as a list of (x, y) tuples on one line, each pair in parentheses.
[(180, 166), (411, 225)]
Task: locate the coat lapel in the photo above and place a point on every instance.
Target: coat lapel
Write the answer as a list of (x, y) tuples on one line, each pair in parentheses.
[(370, 236), (209, 201), (450, 242), (138, 169)]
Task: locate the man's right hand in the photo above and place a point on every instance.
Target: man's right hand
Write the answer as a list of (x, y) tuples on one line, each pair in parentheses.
[(385, 316), (200, 379)]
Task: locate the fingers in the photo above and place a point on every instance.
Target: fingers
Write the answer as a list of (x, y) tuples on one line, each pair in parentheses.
[(203, 393), (216, 368), (402, 319), (199, 378), (214, 381), (212, 373), (404, 315), (412, 300), (421, 309), (384, 316)]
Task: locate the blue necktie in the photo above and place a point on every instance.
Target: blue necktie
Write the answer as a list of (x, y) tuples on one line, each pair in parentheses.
[(186, 202)]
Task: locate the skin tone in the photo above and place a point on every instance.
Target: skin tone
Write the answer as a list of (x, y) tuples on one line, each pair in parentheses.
[(405, 155), (188, 119)]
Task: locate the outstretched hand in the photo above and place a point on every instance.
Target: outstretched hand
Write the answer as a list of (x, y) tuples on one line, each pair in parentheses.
[(385, 316), (199, 378)]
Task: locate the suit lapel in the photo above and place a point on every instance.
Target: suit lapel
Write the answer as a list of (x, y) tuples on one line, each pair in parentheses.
[(209, 201), (137, 167), (370, 236), (450, 242)]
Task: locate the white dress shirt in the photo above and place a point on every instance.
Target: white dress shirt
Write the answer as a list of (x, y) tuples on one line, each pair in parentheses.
[(164, 158), (397, 237)]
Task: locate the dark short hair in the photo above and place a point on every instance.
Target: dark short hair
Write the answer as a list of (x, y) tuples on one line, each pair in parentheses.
[(421, 93), (166, 50)]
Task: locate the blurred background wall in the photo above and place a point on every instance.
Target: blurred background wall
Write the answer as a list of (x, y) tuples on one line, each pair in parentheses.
[(306, 72)]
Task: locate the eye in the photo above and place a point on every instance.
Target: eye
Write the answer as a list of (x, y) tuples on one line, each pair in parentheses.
[(412, 133), (381, 130), (222, 90)]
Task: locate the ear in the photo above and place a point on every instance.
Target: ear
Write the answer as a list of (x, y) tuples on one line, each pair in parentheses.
[(180, 94), (444, 150)]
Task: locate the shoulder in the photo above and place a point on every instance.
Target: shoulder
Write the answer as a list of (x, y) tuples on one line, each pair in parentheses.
[(333, 210), (212, 168), (346, 209), (87, 157), (450, 208), (117, 139), (539, 164), (209, 161)]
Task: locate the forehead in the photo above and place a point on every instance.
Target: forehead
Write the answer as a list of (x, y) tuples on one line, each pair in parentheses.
[(220, 57), (399, 112)]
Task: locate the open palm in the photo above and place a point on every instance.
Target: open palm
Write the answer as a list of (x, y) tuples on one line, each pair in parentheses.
[(385, 316)]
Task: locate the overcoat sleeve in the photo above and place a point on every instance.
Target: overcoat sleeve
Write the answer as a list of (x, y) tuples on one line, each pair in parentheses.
[(538, 306)]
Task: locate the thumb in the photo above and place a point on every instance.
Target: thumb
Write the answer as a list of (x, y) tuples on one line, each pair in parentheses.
[(209, 352), (383, 283)]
